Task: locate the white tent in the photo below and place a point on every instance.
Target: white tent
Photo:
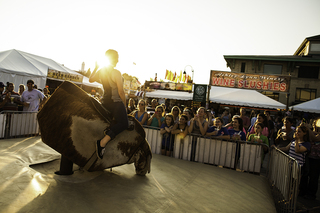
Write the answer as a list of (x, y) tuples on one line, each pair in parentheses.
[(179, 95), (243, 97), (309, 106), (224, 95), (18, 67)]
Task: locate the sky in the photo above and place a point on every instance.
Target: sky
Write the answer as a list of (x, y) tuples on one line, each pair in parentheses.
[(153, 36)]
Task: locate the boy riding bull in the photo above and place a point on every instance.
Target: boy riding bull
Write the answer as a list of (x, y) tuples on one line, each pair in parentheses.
[(113, 98)]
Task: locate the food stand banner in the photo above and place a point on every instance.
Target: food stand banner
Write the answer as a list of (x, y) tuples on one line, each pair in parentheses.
[(151, 85), (64, 76), (200, 91), (272, 83)]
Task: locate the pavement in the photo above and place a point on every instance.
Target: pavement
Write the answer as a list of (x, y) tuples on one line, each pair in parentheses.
[(28, 184)]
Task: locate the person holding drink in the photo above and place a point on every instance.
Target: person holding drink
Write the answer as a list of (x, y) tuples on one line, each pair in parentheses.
[(13, 98), (285, 134), (236, 132), (157, 118), (258, 137)]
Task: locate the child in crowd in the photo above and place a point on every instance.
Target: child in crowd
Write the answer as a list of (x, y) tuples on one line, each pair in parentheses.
[(236, 132), (167, 139), (258, 137), (218, 130)]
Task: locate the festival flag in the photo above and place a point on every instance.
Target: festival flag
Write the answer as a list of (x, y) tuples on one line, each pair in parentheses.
[(184, 78), (166, 74), (171, 76)]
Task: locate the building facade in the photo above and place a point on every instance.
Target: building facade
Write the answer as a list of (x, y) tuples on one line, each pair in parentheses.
[(303, 67)]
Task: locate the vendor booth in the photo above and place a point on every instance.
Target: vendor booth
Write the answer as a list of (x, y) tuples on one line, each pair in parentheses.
[(178, 95), (312, 106), (18, 67), (243, 97)]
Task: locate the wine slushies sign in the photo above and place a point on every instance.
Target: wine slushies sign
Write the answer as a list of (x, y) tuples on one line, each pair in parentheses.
[(270, 83)]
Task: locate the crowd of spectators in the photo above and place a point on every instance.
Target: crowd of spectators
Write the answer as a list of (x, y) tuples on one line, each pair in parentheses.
[(299, 137), (28, 98)]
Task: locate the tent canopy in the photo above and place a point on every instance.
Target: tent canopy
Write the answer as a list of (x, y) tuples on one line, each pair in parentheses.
[(179, 95), (312, 106), (243, 97), (18, 67), (224, 95)]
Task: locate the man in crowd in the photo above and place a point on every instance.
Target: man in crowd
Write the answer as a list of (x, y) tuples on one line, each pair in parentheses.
[(245, 119), (271, 125), (32, 98)]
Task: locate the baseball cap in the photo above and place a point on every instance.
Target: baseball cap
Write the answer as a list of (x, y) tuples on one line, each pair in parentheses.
[(1, 85)]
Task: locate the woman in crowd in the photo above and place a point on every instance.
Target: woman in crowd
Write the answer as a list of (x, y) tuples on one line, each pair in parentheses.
[(175, 111), (46, 92), (262, 119), (167, 139), (11, 105), (298, 149), (131, 106), (210, 118), (236, 133), (21, 89), (157, 118), (218, 130), (258, 137), (141, 115), (181, 128), (315, 128), (285, 134), (198, 125), (314, 164), (188, 112)]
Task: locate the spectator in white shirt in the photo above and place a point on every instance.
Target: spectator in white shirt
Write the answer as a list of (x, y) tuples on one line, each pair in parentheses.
[(32, 98)]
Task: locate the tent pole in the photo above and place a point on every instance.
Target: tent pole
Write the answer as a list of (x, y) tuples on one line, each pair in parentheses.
[(288, 95), (208, 95)]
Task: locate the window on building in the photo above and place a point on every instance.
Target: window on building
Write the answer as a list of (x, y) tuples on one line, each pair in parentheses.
[(272, 69), (303, 94), (273, 95), (315, 47), (243, 67), (308, 72)]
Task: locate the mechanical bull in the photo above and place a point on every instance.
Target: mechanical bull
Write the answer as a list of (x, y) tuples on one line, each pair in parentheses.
[(70, 123)]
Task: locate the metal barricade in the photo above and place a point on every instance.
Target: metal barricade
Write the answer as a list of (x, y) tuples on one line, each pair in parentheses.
[(245, 156), (18, 123), (284, 175)]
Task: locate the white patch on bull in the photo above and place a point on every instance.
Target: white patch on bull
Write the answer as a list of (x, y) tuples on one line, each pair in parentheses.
[(85, 132)]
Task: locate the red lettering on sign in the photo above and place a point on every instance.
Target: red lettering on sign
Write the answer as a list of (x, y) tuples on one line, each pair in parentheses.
[(215, 81), (265, 86), (226, 82), (240, 83), (246, 84), (276, 86), (252, 84), (259, 84), (232, 82), (283, 87)]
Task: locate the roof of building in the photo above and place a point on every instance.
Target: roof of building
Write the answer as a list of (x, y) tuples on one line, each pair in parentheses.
[(302, 45), (274, 58)]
